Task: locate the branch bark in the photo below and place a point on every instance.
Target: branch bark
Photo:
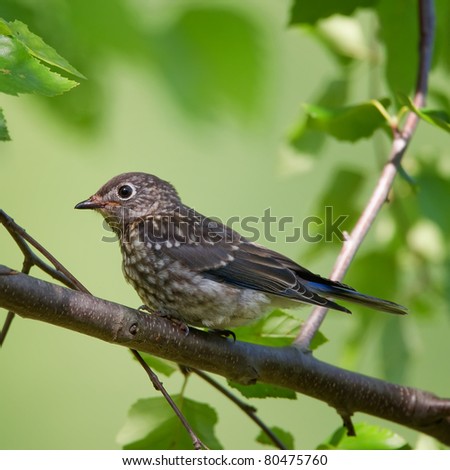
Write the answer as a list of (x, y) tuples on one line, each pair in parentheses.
[(346, 391)]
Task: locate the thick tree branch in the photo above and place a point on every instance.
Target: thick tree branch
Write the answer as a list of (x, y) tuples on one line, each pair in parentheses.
[(348, 392), (380, 194)]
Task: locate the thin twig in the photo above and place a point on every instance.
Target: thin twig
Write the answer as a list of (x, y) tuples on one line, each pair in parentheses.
[(347, 423), (197, 443), (380, 194), (249, 410), (26, 267), (9, 318), (20, 236)]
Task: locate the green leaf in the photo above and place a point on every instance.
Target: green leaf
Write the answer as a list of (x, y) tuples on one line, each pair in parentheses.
[(285, 437), (279, 328), (82, 107), (5, 30), (442, 35), (4, 134), (357, 339), (261, 390), (440, 96), (425, 442), (433, 190), (159, 365), (400, 39), (310, 12), (374, 273), (341, 202), (152, 424), (437, 118), (37, 47), (307, 140), (339, 206), (344, 38), (20, 72), (367, 437), (318, 339), (349, 123), (211, 59)]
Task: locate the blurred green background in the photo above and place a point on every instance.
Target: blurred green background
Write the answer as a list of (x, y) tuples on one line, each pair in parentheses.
[(208, 95)]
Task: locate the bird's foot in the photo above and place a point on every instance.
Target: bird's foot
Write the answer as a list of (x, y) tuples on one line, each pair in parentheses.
[(224, 333)]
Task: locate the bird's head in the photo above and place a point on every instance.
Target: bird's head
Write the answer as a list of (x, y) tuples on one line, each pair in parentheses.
[(131, 196)]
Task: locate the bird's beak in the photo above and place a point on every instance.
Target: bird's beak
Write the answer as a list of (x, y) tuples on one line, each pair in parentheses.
[(92, 203)]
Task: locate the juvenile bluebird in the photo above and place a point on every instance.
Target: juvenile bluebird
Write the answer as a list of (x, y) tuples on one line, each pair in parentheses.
[(196, 270)]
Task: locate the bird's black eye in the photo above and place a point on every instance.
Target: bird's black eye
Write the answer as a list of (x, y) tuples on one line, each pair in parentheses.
[(125, 191)]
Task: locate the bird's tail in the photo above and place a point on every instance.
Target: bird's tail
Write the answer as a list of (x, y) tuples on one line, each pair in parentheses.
[(342, 293)]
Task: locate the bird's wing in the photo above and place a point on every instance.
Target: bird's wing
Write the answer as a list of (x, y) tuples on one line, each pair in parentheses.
[(256, 267), (223, 255)]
